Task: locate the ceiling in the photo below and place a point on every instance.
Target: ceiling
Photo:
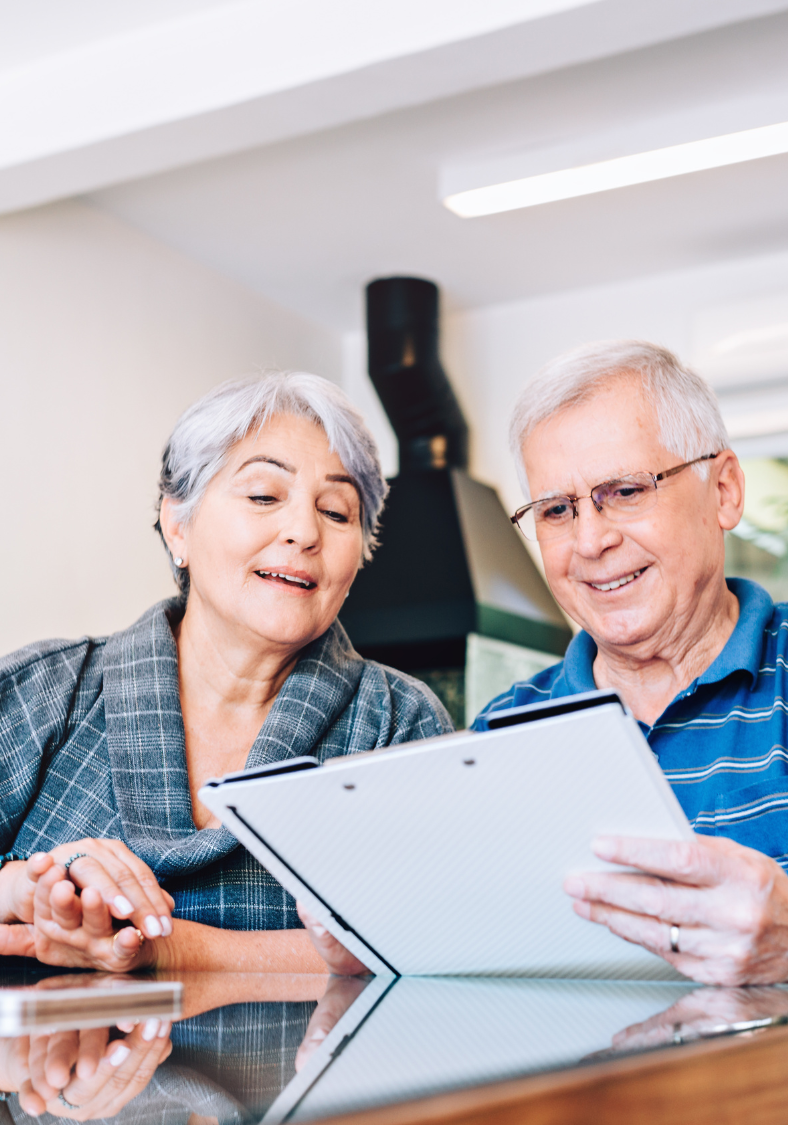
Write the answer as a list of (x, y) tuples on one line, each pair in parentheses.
[(42, 28), (308, 172)]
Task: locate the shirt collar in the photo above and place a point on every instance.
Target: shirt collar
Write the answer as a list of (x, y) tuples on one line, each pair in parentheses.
[(742, 651), (744, 648)]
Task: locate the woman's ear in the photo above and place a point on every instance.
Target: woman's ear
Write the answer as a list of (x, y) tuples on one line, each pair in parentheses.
[(171, 530), (730, 490)]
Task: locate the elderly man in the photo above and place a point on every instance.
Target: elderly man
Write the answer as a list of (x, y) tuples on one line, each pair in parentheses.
[(626, 457)]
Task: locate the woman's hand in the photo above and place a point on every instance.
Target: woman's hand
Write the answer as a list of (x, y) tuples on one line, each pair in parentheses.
[(96, 1076), (339, 960), (79, 931), (126, 885), (729, 902)]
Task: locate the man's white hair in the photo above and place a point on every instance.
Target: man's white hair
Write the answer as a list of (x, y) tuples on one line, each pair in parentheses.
[(685, 406)]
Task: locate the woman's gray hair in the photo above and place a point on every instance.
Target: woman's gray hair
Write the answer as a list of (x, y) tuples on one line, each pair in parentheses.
[(687, 410), (206, 432)]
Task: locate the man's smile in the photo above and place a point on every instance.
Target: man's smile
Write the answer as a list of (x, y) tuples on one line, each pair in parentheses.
[(615, 583)]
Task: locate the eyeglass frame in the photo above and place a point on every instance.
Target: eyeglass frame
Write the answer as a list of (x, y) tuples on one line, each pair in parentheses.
[(518, 515)]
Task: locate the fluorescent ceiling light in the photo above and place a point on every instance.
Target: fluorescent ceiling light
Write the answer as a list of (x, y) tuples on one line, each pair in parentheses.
[(623, 171), (771, 336)]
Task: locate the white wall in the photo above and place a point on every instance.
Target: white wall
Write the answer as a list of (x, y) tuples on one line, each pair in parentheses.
[(105, 337), (490, 353)]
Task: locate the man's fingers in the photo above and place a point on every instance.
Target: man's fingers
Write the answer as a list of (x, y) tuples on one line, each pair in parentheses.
[(641, 894), (704, 955), (683, 861)]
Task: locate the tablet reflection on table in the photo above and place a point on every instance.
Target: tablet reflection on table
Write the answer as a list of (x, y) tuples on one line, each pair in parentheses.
[(301, 1049)]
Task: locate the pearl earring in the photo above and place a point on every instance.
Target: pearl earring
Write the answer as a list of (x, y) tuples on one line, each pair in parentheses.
[(178, 561)]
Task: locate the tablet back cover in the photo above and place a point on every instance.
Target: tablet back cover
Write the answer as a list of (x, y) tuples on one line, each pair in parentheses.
[(448, 856)]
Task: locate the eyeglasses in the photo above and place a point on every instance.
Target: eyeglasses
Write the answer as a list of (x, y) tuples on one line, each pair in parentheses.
[(622, 499)]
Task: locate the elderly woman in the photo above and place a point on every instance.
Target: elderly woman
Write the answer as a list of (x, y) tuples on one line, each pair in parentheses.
[(631, 486), (270, 493)]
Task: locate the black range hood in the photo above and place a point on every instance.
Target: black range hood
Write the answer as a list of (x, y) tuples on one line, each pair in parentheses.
[(450, 562)]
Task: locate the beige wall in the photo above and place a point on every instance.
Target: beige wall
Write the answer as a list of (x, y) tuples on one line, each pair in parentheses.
[(105, 337), (490, 353)]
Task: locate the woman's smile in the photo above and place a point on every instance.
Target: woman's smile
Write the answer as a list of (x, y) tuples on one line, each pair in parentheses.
[(297, 581)]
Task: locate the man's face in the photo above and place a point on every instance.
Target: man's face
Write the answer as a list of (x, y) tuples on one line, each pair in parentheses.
[(676, 546)]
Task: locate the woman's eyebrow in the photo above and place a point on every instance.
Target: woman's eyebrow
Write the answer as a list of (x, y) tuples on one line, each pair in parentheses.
[(269, 461), (342, 478)]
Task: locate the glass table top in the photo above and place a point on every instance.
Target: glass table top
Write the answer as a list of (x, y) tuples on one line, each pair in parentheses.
[(263, 1048)]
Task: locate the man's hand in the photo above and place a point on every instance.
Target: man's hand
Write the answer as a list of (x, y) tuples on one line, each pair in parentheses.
[(729, 902), (338, 959), (707, 1012)]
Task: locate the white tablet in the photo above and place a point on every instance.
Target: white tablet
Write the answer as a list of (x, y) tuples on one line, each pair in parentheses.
[(447, 856)]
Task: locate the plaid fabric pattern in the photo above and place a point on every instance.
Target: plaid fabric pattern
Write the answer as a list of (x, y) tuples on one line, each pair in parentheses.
[(92, 745), (230, 1063)]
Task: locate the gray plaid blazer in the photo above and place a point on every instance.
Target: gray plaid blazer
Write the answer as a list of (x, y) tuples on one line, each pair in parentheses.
[(92, 744)]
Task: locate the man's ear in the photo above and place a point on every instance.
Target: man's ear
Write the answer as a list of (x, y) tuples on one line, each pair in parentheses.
[(729, 477), (171, 530)]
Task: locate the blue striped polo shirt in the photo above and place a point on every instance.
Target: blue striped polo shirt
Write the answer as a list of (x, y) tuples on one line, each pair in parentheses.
[(722, 741)]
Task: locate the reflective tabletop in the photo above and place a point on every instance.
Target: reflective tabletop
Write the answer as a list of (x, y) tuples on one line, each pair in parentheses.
[(270, 1048)]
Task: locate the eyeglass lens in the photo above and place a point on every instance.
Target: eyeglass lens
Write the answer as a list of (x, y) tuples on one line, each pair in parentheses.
[(619, 499)]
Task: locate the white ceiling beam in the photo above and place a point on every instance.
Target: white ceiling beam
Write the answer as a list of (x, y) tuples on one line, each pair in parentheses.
[(253, 73)]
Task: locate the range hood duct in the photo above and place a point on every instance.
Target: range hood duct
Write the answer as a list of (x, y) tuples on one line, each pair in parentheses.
[(406, 371), (449, 563)]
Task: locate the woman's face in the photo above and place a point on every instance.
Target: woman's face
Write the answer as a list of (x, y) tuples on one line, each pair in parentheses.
[(276, 542)]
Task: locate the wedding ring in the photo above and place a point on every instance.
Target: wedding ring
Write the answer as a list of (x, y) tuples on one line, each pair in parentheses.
[(140, 936), (674, 939), (63, 1101)]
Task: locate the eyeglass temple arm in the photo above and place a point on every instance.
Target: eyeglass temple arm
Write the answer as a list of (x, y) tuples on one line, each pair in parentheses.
[(678, 468)]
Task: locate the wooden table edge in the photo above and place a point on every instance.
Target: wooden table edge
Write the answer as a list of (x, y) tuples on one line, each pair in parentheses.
[(727, 1073)]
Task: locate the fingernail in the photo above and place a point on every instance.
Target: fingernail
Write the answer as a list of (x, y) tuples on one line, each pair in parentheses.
[(574, 886), (122, 905), (119, 1055), (318, 930), (318, 1035), (150, 1029), (164, 1030), (604, 847), (166, 925), (152, 926)]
